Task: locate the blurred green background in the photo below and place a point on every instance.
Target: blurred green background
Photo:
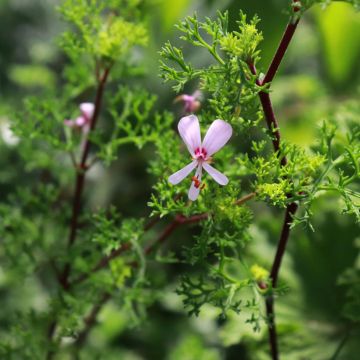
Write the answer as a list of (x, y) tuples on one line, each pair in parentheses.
[(320, 72)]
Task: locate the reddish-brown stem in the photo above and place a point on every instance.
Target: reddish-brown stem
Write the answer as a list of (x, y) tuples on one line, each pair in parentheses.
[(291, 209), (79, 187), (179, 220), (50, 334), (152, 223), (284, 237), (245, 198), (270, 117), (90, 320), (280, 52), (98, 101), (103, 263), (80, 177)]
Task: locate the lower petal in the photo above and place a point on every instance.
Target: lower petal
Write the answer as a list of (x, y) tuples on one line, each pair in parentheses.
[(194, 191), (183, 173), (215, 174)]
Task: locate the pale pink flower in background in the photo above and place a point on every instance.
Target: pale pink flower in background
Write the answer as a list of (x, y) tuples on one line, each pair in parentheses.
[(84, 120), (191, 102), (216, 137)]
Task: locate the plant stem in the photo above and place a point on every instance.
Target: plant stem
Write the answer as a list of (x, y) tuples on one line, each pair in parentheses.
[(245, 198), (179, 220), (280, 52), (80, 177), (79, 188), (103, 263), (341, 344), (90, 320), (284, 237), (273, 127)]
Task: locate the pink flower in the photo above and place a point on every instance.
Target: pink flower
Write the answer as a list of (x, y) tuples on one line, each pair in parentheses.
[(191, 102), (82, 122), (216, 137)]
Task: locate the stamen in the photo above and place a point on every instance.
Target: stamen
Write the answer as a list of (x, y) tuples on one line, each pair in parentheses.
[(196, 181)]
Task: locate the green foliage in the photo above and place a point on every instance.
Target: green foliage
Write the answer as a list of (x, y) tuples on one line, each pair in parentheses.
[(131, 111), (340, 173), (109, 39), (243, 44), (307, 173), (108, 253), (230, 87)]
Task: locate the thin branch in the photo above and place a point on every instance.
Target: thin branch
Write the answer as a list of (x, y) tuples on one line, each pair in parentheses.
[(63, 278), (90, 320), (273, 127), (270, 117), (179, 220), (341, 344), (152, 223), (104, 262), (50, 334), (281, 50), (245, 198), (80, 178), (284, 237)]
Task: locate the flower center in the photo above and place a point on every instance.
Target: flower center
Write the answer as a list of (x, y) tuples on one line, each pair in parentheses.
[(200, 154)]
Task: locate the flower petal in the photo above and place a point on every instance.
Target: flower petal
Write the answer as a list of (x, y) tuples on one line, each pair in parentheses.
[(217, 136), (215, 174), (80, 121), (194, 191), (183, 173), (87, 109), (189, 130)]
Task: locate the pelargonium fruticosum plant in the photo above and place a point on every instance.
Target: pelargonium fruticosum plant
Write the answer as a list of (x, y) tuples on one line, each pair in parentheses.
[(106, 253), (216, 137)]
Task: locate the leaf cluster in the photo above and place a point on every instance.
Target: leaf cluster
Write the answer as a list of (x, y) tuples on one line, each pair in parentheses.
[(229, 86)]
